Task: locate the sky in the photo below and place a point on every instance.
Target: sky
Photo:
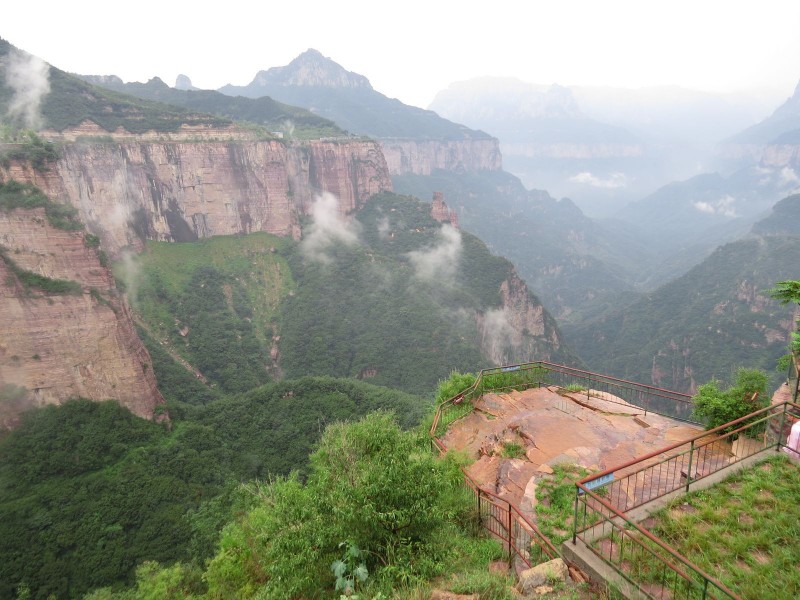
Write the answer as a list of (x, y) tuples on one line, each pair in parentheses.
[(412, 49)]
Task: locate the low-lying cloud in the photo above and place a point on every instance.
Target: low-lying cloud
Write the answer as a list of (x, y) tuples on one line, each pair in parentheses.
[(724, 206), (327, 228), (613, 181), (440, 262), (29, 78)]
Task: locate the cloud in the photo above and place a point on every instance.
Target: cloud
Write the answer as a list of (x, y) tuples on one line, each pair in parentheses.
[(29, 78), (439, 262), (327, 228), (613, 181), (788, 176), (723, 207)]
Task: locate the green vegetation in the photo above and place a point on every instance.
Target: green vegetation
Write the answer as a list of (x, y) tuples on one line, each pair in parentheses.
[(787, 292), (513, 450), (555, 495), (743, 531), (88, 491), (27, 146), (215, 302), (15, 195), (716, 407), (702, 325), (264, 111), (29, 279), (375, 494)]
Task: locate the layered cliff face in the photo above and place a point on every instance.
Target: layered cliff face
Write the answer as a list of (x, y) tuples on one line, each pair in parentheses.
[(573, 150), (182, 191), (520, 329), (422, 157), (55, 346)]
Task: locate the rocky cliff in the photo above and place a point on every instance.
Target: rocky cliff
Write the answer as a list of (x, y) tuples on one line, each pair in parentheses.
[(422, 157), (573, 150), (520, 329), (127, 191), (55, 346)]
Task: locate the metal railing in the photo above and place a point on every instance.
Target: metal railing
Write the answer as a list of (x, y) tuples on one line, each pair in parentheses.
[(612, 389), (502, 518), (603, 499)]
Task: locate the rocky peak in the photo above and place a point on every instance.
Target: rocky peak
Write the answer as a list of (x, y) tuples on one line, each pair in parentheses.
[(441, 212), (182, 82), (311, 68)]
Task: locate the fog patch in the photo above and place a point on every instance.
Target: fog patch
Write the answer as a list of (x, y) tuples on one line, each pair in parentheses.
[(498, 337), (613, 181), (384, 227), (440, 262), (723, 207), (789, 176), (327, 227), (28, 77), (128, 270)]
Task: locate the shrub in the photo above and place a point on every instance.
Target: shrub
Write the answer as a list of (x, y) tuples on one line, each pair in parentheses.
[(717, 407)]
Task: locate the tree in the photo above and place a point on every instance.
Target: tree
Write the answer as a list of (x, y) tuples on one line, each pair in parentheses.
[(717, 407), (372, 487), (786, 292)]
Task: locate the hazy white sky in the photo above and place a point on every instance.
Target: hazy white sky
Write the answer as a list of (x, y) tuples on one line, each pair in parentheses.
[(412, 49)]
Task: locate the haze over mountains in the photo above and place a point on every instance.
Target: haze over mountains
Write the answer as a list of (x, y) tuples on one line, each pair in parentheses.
[(249, 268)]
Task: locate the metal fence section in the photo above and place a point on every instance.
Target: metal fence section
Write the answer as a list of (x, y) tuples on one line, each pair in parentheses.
[(500, 517), (603, 499), (540, 373), (653, 567)]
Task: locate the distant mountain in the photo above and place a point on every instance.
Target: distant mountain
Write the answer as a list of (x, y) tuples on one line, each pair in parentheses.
[(273, 115), (784, 121), (704, 324), (601, 147), (328, 90), (685, 220), (68, 101)]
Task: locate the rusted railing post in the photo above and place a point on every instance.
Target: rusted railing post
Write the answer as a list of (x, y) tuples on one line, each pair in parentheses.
[(575, 518), (689, 469), (510, 537)]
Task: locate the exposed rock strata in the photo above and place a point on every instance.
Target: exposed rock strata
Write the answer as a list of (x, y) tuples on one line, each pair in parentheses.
[(520, 330), (181, 191), (59, 346), (423, 157)]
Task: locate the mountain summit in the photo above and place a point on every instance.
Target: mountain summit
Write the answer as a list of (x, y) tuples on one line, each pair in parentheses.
[(311, 68)]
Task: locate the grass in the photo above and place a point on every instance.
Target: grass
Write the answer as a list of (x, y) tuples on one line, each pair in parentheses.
[(555, 507), (254, 260), (513, 450), (744, 532)]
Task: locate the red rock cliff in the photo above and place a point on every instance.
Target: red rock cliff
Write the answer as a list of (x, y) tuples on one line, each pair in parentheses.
[(58, 346), (181, 190)]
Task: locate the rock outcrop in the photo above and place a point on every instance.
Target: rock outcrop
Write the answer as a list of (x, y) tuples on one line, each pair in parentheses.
[(441, 212), (520, 329), (55, 346), (422, 157), (181, 191)]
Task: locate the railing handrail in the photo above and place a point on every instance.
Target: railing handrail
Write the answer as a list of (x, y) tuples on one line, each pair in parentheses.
[(699, 436), (660, 543), (679, 396)]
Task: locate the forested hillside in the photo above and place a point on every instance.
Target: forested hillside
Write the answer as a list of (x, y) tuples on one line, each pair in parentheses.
[(706, 323), (88, 491), (392, 296)]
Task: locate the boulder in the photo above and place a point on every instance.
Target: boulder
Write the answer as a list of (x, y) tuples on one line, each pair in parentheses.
[(549, 572)]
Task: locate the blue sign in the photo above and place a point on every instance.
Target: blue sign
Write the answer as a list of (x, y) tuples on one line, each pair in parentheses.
[(597, 482)]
